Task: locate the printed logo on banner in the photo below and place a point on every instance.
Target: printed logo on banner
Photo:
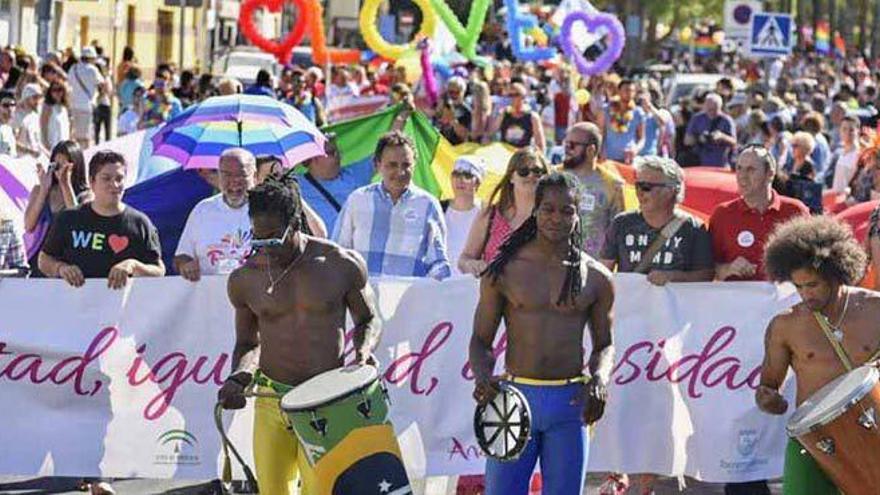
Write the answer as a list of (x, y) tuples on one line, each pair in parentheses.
[(746, 446), (748, 440), (178, 447)]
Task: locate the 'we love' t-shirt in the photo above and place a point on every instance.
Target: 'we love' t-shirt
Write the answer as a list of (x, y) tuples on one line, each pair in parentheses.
[(96, 243)]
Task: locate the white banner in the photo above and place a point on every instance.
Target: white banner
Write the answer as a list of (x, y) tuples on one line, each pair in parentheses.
[(123, 383)]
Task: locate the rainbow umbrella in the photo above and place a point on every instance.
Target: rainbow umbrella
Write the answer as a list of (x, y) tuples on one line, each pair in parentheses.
[(262, 125)]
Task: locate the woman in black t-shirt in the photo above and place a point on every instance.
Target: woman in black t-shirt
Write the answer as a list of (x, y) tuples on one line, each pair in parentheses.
[(102, 238)]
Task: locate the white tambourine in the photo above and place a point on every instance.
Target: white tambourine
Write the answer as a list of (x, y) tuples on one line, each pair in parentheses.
[(503, 425)]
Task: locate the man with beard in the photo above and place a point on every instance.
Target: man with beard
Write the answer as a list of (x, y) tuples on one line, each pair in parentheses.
[(600, 192), (217, 234), (834, 323)]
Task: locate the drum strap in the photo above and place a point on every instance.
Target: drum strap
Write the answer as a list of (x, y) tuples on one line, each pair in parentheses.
[(227, 446), (838, 347)]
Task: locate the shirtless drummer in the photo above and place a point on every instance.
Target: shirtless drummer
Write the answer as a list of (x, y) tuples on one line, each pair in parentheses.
[(822, 259), (547, 290), (290, 303)]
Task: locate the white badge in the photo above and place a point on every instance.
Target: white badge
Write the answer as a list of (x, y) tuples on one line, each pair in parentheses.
[(745, 239), (588, 202)]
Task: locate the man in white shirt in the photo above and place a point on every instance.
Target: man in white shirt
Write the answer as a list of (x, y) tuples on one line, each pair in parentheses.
[(217, 235), (467, 175), (30, 137), (85, 80), (7, 135)]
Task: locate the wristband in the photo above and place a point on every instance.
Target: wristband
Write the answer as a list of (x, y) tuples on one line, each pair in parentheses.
[(239, 379)]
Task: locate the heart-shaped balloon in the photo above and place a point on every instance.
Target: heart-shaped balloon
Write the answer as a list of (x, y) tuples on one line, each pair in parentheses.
[(281, 49), (616, 40)]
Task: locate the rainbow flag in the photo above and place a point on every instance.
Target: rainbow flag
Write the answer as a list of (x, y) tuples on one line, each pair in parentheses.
[(839, 46), (704, 45), (435, 156), (823, 38)]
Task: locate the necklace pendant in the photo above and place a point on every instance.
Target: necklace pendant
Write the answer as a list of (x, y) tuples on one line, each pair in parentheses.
[(270, 290)]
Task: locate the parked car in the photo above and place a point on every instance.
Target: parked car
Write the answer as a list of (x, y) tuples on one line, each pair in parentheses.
[(243, 64), (684, 85)]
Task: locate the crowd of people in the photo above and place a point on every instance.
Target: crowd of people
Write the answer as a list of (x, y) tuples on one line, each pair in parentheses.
[(790, 135)]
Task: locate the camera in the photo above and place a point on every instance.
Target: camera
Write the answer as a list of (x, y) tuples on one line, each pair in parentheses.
[(705, 137), (52, 168)]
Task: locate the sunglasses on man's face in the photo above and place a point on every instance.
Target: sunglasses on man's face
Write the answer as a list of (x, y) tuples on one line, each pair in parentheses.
[(463, 175), (647, 187), (525, 171), (8, 105), (274, 242)]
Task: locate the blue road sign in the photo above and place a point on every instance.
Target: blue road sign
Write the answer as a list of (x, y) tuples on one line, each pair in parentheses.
[(771, 35)]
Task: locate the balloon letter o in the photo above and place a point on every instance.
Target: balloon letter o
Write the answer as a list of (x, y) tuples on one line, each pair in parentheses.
[(393, 51)]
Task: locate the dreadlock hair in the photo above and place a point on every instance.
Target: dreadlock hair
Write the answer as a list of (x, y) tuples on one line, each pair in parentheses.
[(279, 196), (527, 232), (819, 243)]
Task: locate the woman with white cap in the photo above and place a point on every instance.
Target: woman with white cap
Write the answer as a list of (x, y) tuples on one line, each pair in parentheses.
[(467, 175)]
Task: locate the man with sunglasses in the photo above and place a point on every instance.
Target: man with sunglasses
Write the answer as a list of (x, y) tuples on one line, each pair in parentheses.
[(7, 134), (291, 299), (600, 191), (658, 240)]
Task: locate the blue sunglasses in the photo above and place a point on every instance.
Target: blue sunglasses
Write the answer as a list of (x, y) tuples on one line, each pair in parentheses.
[(275, 242)]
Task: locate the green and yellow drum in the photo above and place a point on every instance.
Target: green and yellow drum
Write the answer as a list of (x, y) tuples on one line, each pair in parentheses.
[(341, 421)]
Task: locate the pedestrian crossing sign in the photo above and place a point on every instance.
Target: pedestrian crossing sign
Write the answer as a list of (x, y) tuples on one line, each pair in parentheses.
[(771, 35)]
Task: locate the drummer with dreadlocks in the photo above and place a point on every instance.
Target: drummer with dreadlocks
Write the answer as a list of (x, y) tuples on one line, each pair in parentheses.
[(834, 328), (547, 290), (290, 302)]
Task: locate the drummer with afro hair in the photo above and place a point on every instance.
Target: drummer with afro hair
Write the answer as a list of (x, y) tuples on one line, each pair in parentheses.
[(290, 301), (548, 291), (832, 330)]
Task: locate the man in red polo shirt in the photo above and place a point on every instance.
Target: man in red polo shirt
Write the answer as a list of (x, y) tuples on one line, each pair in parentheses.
[(740, 227)]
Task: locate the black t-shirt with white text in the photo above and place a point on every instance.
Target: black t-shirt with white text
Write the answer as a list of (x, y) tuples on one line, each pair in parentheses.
[(629, 236), (96, 243)]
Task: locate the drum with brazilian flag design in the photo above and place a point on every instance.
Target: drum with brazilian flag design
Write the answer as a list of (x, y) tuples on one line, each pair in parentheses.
[(341, 421)]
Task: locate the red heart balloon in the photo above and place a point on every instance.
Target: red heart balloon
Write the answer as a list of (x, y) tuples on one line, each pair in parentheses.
[(282, 49)]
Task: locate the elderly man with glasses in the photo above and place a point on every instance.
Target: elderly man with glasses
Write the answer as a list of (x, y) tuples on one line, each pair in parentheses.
[(659, 240), (216, 237)]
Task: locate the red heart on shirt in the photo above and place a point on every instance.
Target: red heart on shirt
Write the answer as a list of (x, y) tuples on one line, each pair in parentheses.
[(118, 243)]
